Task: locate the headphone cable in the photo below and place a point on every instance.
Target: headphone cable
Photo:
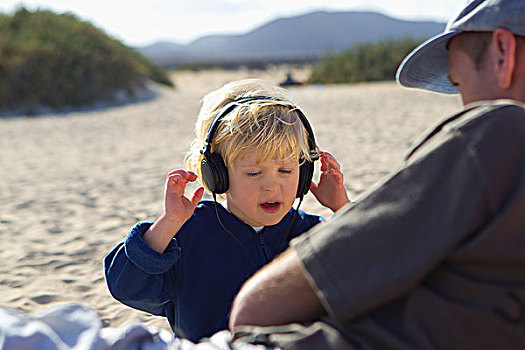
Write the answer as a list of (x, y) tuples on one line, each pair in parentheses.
[(291, 224), (236, 239), (231, 234)]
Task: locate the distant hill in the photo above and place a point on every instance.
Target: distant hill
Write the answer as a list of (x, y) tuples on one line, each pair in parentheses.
[(302, 38)]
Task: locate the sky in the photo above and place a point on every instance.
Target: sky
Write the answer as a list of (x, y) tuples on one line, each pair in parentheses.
[(143, 22)]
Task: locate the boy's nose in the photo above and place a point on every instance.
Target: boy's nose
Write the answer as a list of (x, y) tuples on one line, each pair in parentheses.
[(270, 188), (271, 185)]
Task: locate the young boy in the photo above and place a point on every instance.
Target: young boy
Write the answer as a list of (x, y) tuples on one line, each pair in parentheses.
[(256, 147)]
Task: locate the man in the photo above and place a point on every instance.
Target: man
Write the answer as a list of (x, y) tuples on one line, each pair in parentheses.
[(435, 256)]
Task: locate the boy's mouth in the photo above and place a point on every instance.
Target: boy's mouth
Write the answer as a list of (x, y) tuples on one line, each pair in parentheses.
[(270, 207)]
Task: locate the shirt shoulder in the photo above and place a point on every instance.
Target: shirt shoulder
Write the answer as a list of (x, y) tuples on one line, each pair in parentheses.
[(491, 117), (504, 118), (304, 221)]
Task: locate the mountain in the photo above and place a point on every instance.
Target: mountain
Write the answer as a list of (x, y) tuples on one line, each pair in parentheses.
[(300, 38)]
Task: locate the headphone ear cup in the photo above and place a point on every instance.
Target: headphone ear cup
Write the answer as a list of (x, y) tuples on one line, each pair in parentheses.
[(214, 173), (306, 172)]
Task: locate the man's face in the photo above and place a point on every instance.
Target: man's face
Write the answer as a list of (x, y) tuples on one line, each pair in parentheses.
[(474, 83)]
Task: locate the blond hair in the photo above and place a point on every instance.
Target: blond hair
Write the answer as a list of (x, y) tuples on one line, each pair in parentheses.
[(267, 127)]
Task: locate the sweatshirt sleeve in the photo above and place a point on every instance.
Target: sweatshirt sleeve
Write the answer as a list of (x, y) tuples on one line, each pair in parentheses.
[(139, 276)]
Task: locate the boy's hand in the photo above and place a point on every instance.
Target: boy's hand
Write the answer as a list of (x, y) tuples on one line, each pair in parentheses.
[(177, 210), (330, 190), (178, 207)]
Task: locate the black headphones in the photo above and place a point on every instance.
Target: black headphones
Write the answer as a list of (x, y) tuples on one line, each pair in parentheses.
[(214, 171)]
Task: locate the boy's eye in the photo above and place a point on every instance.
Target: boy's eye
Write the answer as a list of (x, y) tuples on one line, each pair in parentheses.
[(285, 171), (253, 173)]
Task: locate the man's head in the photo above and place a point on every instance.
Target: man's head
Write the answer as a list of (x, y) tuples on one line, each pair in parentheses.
[(480, 54)]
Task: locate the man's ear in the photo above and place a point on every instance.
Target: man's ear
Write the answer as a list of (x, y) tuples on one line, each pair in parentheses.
[(504, 50)]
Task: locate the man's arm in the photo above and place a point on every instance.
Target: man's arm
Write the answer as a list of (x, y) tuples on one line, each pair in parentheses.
[(277, 294)]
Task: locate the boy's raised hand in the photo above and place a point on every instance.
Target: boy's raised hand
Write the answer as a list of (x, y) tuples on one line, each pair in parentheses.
[(330, 190), (177, 207)]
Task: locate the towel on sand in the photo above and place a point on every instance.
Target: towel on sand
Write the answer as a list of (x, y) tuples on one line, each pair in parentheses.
[(78, 327)]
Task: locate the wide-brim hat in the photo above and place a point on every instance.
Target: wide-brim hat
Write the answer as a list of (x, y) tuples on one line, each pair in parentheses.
[(426, 67)]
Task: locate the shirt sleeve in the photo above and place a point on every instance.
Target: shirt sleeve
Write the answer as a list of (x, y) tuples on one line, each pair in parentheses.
[(146, 258), (382, 246), (138, 276)]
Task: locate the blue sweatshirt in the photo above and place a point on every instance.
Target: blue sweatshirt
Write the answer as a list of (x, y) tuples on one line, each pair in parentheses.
[(194, 281)]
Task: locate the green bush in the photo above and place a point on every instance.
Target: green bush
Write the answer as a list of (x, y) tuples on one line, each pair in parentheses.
[(58, 61), (365, 62)]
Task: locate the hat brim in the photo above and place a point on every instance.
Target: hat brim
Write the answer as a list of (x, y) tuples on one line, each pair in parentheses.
[(427, 66)]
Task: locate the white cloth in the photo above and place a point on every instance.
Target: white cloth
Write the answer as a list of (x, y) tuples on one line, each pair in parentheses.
[(78, 327)]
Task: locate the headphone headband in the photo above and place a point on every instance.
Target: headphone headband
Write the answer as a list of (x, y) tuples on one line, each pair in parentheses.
[(228, 108)]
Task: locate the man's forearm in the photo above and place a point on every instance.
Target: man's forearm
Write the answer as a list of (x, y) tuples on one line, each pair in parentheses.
[(277, 294)]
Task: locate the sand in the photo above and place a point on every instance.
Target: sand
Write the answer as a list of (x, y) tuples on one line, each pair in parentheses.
[(73, 184)]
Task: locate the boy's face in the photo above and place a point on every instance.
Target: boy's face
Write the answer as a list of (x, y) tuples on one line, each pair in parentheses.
[(261, 194)]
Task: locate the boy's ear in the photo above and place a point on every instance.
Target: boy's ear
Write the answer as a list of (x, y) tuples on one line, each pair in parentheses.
[(504, 50)]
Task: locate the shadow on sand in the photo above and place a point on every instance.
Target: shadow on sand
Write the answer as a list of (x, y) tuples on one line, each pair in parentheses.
[(119, 99)]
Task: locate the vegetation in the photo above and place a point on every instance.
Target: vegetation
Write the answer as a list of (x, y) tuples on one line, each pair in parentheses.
[(366, 62), (58, 61)]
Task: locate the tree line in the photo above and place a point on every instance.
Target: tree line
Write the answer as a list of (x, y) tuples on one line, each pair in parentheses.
[(365, 62)]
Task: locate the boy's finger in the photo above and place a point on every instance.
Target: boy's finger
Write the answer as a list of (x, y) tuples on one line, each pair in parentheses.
[(177, 178), (325, 163), (197, 196), (189, 175), (332, 163), (177, 171), (337, 175), (313, 187), (326, 155), (176, 184), (192, 176)]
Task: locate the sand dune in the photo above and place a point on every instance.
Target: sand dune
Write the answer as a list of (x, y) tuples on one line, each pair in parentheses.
[(72, 185)]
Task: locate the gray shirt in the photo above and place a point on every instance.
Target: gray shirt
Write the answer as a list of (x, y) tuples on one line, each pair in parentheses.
[(434, 257)]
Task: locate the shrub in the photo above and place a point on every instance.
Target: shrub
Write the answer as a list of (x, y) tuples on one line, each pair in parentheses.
[(59, 61), (365, 62)]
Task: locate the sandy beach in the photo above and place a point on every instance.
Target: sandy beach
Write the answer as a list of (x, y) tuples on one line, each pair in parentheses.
[(73, 184)]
